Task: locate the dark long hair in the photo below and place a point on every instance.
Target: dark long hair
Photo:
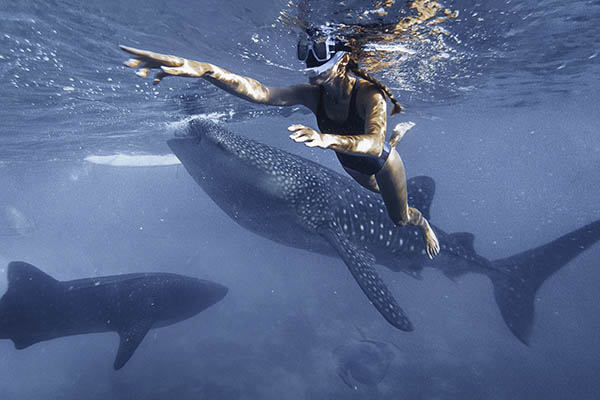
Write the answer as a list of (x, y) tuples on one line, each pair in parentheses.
[(356, 70)]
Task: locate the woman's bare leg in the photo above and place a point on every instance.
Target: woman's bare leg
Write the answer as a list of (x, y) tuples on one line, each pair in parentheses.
[(367, 181), (391, 181)]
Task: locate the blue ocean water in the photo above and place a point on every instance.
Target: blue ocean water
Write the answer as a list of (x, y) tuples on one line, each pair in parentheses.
[(505, 104)]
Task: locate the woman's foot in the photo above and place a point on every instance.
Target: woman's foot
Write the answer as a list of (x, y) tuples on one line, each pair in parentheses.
[(399, 132), (431, 242)]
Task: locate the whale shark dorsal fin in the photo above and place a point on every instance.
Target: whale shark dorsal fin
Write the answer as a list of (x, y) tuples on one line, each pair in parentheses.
[(24, 276), (421, 190), (465, 239), (360, 263), (130, 338)]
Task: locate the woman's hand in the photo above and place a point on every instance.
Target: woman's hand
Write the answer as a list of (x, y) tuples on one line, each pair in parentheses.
[(308, 136), (145, 60)]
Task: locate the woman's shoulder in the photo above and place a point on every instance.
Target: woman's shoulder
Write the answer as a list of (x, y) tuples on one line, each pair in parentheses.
[(310, 94), (368, 95), (368, 88)]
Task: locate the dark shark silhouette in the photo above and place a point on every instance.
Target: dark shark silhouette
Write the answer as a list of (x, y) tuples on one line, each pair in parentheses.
[(301, 204), (37, 307)]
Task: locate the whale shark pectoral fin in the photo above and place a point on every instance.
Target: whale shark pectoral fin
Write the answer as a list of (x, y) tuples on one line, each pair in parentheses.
[(130, 338), (360, 264)]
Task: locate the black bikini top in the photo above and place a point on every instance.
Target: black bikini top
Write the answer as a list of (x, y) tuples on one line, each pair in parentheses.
[(353, 125)]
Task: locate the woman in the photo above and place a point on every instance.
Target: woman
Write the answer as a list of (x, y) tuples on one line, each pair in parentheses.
[(351, 114)]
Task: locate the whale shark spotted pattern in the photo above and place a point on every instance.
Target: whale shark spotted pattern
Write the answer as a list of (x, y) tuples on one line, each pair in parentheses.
[(301, 204)]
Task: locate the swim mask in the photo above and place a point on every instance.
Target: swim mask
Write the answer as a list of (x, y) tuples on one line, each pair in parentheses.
[(318, 70), (317, 51)]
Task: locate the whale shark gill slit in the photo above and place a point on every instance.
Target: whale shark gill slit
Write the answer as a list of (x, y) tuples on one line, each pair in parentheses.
[(360, 263)]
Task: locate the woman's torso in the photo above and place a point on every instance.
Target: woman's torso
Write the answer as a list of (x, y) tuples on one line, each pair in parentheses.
[(354, 124)]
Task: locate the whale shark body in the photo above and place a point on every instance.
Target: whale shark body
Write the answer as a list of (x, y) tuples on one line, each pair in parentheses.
[(301, 204), (36, 307)]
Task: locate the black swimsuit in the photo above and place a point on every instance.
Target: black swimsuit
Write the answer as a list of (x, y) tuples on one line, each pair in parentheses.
[(351, 126)]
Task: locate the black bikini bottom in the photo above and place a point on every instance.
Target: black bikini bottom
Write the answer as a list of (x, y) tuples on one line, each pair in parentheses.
[(363, 164)]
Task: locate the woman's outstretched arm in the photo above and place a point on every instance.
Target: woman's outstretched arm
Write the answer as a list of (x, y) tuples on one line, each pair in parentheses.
[(240, 86)]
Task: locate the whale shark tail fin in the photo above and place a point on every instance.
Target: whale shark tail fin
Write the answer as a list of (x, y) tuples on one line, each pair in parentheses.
[(517, 278)]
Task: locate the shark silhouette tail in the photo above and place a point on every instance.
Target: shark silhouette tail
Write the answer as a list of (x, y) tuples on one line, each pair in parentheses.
[(517, 278)]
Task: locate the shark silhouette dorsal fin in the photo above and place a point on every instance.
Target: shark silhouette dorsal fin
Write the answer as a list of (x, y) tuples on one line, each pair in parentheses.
[(26, 277), (360, 264), (23, 341), (130, 338), (421, 190)]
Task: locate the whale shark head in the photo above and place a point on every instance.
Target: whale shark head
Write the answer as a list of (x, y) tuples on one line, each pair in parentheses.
[(242, 175), (212, 153), (189, 296)]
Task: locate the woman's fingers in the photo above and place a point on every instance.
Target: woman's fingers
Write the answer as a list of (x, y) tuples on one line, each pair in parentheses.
[(300, 137), (133, 62), (306, 135), (173, 70), (142, 72), (150, 57), (299, 134), (158, 77), (133, 50), (295, 127)]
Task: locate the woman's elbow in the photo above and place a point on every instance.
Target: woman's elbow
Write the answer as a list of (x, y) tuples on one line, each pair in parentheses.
[(377, 146)]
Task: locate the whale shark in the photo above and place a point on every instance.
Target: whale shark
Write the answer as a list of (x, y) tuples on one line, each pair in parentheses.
[(299, 203), (36, 307)]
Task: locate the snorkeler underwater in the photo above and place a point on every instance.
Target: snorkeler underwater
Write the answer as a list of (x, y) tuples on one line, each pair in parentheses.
[(358, 199)]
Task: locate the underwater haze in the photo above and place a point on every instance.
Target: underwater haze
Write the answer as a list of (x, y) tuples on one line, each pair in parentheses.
[(504, 98)]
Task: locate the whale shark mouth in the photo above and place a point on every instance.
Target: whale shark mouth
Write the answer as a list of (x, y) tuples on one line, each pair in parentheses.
[(184, 147)]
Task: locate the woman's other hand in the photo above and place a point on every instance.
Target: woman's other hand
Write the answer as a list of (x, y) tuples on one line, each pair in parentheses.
[(308, 136)]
